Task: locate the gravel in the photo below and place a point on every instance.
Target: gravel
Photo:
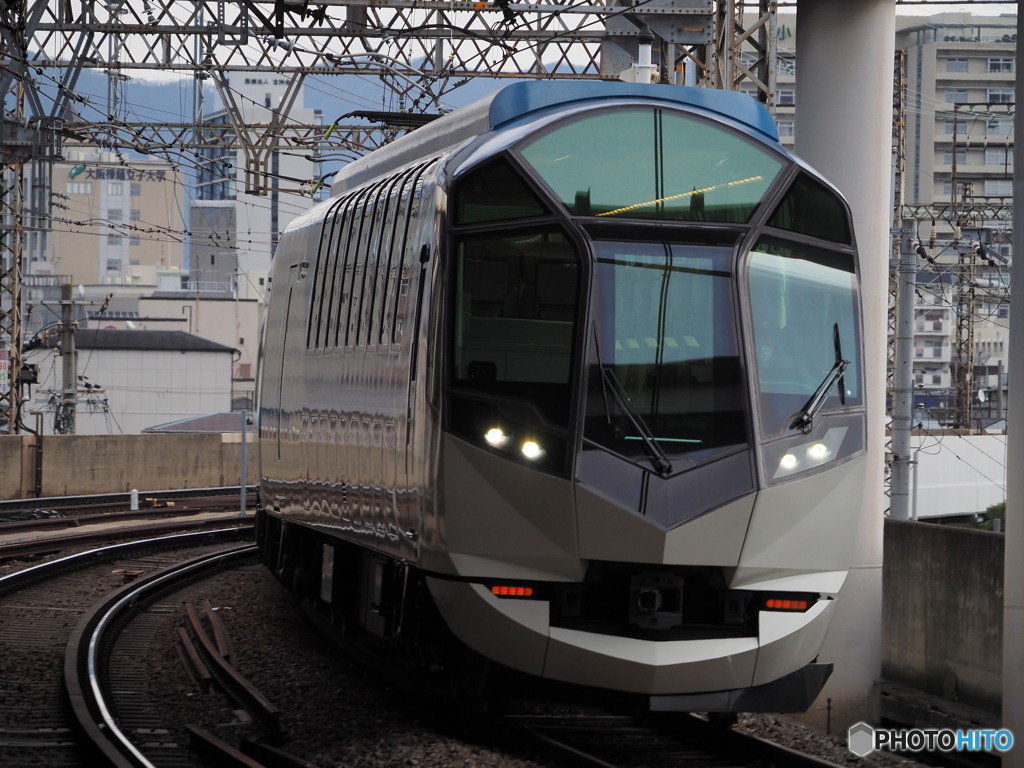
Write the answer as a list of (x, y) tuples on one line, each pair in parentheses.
[(336, 712)]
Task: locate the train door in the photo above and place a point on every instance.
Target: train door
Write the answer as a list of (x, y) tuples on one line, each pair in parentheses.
[(290, 381), (415, 232), (279, 374)]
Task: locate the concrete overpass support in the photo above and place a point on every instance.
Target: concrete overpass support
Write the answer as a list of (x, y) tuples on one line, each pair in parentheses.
[(844, 84), (1013, 567)]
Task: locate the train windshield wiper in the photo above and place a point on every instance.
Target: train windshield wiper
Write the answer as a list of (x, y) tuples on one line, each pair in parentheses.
[(805, 419), (610, 382), (658, 456)]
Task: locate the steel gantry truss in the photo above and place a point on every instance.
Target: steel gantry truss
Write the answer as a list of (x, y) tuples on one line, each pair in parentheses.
[(422, 50)]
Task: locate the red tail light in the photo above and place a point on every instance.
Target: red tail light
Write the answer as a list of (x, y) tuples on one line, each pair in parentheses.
[(511, 590), (786, 604)]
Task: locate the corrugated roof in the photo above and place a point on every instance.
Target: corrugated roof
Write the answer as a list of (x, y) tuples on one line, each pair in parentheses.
[(141, 340), (211, 422)]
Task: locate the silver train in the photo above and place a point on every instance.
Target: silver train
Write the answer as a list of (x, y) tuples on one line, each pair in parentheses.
[(563, 391)]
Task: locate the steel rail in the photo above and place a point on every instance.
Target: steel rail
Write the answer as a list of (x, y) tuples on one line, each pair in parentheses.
[(17, 579), (567, 739), (234, 684), (49, 544), (84, 659), (107, 499)]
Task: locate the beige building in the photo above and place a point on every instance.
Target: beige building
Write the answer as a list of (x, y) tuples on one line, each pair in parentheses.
[(226, 320), (114, 217)]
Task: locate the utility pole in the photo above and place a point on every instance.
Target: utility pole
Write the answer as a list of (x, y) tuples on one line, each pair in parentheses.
[(897, 375), (64, 421), (903, 379), (12, 242), (962, 212), (963, 361), (1013, 564), (16, 148)]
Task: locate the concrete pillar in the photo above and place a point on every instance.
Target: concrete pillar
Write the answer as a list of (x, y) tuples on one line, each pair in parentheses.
[(844, 129), (1013, 565)]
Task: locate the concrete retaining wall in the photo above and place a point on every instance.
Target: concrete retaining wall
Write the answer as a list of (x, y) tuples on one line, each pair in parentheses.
[(942, 614), (59, 465)]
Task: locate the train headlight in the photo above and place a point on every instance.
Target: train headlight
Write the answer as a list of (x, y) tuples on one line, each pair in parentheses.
[(818, 452), (496, 437), (531, 450), (513, 430), (799, 458)]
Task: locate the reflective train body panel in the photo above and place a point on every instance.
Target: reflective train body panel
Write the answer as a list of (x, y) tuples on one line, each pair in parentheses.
[(579, 368)]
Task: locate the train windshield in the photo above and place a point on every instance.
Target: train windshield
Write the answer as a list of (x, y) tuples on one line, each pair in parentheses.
[(804, 317), (652, 164), (664, 373)]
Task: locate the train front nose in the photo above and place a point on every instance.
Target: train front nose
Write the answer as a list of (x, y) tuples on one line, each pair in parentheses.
[(646, 386)]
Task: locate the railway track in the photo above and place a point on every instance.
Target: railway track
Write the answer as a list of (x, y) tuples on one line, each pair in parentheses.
[(40, 608), (63, 507), (42, 526), (106, 669), (599, 739)]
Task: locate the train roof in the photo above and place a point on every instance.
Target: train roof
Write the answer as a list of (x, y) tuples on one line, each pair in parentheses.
[(527, 97)]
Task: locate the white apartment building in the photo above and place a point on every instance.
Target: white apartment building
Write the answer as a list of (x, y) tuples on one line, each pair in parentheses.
[(958, 152)]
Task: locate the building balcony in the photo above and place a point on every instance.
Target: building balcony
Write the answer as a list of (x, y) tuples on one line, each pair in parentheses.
[(933, 381), (932, 354)]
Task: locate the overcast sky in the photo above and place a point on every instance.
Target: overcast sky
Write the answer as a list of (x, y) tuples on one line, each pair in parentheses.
[(923, 9)]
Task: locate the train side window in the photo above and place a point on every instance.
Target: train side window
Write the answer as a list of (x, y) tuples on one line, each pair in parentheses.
[(343, 225), (311, 320), (315, 320), (382, 318), (328, 298), (371, 249), (353, 221), (495, 192), (401, 304), (811, 208), (411, 200), (380, 276), (398, 272), (402, 199), (384, 221), (355, 306)]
